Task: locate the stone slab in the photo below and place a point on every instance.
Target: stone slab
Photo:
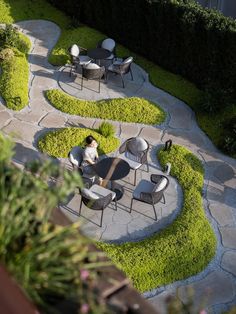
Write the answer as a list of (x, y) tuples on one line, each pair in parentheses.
[(4, 118), (129, 130), (229, 262), (75, 121), (224, 172), (222, 214), (151, 134), (21, 130), (53, 120), (215, 288), (180, 117), (228, 235)]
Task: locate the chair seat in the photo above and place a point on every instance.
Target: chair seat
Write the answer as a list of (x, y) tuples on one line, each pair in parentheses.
[(113, 68), (110, 57), (143, 186), (101, 191), (132, 160), (84, 60)]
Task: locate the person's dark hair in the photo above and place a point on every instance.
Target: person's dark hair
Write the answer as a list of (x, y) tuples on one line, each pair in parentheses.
[(89, 139)]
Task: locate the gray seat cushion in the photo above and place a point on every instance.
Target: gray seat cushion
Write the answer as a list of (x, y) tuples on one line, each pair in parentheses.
[(137, 145), (84, 60), (131, 160), (101, 191), (90, 194), (92, 66), (143, 186)]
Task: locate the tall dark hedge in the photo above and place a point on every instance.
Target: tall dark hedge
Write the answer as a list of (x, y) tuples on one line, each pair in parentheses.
[(179, 35)]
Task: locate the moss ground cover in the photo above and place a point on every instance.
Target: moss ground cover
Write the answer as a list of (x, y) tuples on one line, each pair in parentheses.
[(58, 143), (132, 109), (14, 80), (182, 249)]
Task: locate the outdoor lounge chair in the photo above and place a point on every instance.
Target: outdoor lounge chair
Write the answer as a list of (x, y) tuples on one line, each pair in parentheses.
[(92, 71), (150, 192), (121, 68), (97, 198), (134, 151), (76, 58)]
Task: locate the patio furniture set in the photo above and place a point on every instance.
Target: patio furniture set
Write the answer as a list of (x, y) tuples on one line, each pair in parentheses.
[(133, 155), (90, 63)]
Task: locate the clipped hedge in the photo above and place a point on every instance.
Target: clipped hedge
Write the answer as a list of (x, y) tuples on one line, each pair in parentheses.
[(14, 80), (59, 143), (181, 36), (132, 109), (181, 250)]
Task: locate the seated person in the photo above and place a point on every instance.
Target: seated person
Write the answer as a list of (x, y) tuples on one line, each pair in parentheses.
[(90, 156)]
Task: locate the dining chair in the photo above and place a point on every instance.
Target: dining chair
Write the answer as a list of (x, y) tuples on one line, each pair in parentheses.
[(135, 150), (110, 45), (97, 198), (151, 192), (92, 71), (76, 58), (121, 68)]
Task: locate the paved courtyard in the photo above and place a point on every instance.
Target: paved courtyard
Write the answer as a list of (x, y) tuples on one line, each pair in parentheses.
[(218, 280)]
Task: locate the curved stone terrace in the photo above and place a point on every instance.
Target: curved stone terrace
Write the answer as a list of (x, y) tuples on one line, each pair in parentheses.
[(218, 280)]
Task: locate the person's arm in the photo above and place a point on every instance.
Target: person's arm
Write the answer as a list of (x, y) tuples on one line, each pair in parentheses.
[(87, 158)]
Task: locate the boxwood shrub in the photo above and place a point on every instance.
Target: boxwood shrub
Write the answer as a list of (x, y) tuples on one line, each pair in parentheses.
[(58, 143), (132, 109), (182, 249)]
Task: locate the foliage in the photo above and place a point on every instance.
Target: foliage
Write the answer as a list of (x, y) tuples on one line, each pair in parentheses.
[(106, 129), (182, 249), (132, 109), (229, 141), (48, 261), (11, 38), (6, 54), (59, 143), (14, 80)]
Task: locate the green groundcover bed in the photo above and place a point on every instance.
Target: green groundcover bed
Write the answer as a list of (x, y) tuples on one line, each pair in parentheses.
[(182, 249), (59, 143), (131, 109), (14, 79)]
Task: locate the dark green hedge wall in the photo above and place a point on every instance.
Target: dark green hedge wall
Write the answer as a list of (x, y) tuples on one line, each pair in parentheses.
[(178, 35)]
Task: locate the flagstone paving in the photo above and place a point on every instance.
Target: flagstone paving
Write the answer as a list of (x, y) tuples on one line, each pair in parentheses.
[(215, 287)]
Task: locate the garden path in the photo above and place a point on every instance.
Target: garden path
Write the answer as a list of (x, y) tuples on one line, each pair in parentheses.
[(217, 283)]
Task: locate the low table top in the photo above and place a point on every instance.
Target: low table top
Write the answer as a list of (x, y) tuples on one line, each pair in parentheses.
[(98, 53), (112, 168)]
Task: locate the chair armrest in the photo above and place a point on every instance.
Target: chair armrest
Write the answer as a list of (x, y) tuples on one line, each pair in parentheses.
[(122, 148)]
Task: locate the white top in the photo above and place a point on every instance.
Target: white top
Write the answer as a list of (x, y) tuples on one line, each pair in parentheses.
[(90, 153)]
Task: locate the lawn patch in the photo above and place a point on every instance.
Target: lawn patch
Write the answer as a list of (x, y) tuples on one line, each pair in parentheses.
[(133, 109), (59, 143), (181, 250)]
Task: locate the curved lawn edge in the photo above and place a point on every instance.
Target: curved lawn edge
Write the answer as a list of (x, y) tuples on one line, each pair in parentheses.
[(14, 79), (133, 109), (182, 249), (58, 143)]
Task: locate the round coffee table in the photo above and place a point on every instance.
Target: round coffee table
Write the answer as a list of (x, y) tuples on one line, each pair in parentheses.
[(111, 169), (98, 54)]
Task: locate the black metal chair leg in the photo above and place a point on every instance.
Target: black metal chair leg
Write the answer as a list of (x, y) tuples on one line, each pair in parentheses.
[(154, 212), (80, 206), (131, 73), (123, 83), (101, 219), (82, 82), (99, 85), (135, 177), (131, 205), (147, 167), (115, 204), (164, 199)]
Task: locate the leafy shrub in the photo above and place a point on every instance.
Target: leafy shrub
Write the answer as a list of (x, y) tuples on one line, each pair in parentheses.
[(132, 109), (106, 129), (14, 81), (229, 141), (47, 261), (6, 54), (8, 36), (182, 249), (59, 143)]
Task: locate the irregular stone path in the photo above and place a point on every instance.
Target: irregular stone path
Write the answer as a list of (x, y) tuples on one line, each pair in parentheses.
[(216, 285)]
